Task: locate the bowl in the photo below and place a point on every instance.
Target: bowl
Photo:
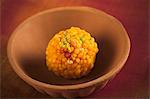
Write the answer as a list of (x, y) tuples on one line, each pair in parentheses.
[(27, 45)]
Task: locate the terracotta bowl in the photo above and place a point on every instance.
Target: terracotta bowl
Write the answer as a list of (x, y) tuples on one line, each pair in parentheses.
[(27, 45)]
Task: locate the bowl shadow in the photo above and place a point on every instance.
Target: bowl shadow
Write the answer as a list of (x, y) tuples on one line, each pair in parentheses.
[(36, 68)]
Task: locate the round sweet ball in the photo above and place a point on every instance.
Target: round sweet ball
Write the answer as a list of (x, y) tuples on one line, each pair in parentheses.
[(71, 53)]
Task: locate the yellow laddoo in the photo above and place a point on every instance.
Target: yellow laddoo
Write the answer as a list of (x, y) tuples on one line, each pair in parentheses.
[(71, 53)]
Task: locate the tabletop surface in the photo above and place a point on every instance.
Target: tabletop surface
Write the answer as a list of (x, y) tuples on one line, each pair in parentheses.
[(131, 82)]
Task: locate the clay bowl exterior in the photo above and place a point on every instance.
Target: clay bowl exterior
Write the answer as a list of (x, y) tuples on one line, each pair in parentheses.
[(27, 45)]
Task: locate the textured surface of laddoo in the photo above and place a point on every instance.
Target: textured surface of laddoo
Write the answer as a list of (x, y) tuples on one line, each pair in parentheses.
[(71, 53)]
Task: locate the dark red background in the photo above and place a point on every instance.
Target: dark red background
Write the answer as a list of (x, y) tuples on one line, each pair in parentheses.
[(131, 82)]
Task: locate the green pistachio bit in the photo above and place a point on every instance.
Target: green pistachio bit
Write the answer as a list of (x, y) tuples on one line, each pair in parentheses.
[(82, 39)]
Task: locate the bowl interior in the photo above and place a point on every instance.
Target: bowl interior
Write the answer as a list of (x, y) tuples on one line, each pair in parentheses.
[(31, 38)]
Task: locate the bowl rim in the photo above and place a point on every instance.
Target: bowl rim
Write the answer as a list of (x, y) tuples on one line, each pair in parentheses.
[(102, 78)]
